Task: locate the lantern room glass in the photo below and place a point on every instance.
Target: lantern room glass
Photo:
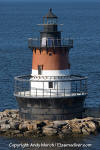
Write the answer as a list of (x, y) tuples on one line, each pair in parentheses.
[(50, 21)]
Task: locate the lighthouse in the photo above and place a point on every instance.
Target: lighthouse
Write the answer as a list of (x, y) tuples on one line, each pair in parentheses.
[(50, 92)]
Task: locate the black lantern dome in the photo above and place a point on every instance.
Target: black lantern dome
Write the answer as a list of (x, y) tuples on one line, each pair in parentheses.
[(50, 34), (50, 18)]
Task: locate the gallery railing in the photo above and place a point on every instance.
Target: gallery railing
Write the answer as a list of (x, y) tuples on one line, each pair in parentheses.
[(49, 43), (24, 86)]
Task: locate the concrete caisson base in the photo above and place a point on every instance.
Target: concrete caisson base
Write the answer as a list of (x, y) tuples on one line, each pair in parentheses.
[(51, 108)]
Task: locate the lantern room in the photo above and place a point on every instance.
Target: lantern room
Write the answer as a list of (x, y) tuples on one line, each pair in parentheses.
[(50, 35), (50, 18)]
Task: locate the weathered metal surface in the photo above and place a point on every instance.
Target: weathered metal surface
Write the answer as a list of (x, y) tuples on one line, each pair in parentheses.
[(50, 109), (36, 43)]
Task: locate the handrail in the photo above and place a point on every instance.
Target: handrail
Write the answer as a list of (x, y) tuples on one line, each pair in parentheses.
[(46, 78), (49, 93), (48, 43), (25, 86)]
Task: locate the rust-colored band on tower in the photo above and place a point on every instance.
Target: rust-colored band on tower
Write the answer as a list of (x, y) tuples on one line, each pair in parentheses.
[(51, 60)]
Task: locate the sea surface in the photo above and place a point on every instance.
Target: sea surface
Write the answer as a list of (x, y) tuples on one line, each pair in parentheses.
[(18, 22)]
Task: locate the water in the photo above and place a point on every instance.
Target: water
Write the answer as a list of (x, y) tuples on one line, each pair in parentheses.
[(18, 22)]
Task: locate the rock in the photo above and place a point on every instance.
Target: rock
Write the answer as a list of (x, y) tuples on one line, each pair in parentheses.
[(41, 124), (49, 131), (5, 127), (47, 122), (76, 130), (88, 128), (16, 125), (99, 124), (66, 130), (32, 127), (29, 133), (91, 125), (7, 122), (23, 127), (85, 131), (12, 125), (3, 121), (7, 111), (16, 132), (75, 126), (2, 132), (50, 125), (10, 111), (13, 133), (4, 114), (87, 119), (14, 116), (59, 124)]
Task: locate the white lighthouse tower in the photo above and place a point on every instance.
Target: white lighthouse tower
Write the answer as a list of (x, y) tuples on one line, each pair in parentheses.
[(50, 92)]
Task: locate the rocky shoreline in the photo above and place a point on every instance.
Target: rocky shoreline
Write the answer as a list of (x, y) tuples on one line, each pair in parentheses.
[(11, 125)]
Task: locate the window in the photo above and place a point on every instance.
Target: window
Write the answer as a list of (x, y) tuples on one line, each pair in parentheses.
[(50, 54), (44, 39), (40, 69), (50, 42), (50, 84)]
